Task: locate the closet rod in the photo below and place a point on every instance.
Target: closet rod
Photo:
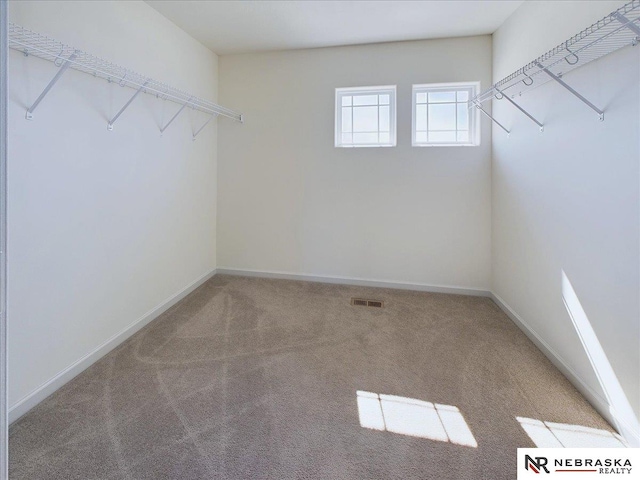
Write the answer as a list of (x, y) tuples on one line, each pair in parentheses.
[(65, 56)]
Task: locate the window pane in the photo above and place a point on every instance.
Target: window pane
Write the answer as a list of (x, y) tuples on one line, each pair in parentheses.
[(463, 117), (384, 119), (463, 96), (365, 100), (421, 117), (442, 114), (364, 116), (436, 97), (442, 117), (365, 119), (365, 138), (346, 120), (442, 137)]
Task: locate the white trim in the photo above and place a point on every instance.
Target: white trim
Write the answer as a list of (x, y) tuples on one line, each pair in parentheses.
[(360, 282), (594, 398), (4, 419), (25, 404)]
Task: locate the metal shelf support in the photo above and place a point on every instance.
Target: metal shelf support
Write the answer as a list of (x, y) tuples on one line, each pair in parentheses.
[(561, 82), (627, 23), (175, 116), (492, 119), (112, 121), (521, 109), (204, 125), (617, 30), (63, 68)]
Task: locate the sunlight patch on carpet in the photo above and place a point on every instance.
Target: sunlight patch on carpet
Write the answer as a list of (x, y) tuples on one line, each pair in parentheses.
[(416, 418), (562, 435)]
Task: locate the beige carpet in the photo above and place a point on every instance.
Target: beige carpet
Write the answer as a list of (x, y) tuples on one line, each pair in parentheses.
[(257, 379)]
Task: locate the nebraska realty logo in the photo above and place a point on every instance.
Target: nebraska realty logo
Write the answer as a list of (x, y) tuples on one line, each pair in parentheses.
[(587, 462)]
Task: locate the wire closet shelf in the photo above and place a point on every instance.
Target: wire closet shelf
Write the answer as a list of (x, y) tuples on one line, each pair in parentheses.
[(65, 56), (618, 29)]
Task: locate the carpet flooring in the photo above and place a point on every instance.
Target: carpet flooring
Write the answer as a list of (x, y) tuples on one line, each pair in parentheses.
[(252, 378)]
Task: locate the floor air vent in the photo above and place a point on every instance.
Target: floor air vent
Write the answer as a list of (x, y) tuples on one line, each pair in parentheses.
[(367, 303)]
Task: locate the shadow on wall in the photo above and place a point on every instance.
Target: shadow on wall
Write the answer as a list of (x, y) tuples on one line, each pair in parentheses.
[(619, 406)]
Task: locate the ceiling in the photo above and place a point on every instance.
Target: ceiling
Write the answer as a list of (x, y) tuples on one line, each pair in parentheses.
[(229, 27)]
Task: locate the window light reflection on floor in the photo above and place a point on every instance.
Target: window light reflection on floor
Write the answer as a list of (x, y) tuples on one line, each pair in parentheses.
[(559, 435), (416, 418)]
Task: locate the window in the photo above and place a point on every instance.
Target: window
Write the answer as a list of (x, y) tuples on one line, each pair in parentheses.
[(366, 117), (441, 115)]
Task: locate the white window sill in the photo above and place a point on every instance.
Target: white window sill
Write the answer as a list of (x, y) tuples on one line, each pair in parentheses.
[(445, 144), (363, 146)]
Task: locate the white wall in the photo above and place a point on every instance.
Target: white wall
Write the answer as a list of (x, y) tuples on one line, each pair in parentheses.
[(103, 226), (568, 199), (289, 201)]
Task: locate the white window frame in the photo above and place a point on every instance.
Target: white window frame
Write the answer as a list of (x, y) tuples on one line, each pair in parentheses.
[(474, 115), (355, 91)]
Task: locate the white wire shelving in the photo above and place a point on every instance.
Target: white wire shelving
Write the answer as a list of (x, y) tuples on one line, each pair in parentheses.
[(64, 56), (619, 29)]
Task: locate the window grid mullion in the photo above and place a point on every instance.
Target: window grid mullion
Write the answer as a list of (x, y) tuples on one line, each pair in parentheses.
[(352, 125), (455, 107), (378, 111), (427, 114)]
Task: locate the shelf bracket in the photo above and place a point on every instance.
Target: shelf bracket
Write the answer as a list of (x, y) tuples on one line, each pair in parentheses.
[(204, 125), (175, 116), (561, 82), (112, 121), (492, 119), (521, 109), (63, 68), (627, 23)]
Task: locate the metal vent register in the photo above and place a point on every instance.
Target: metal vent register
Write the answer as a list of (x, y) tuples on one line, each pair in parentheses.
[(362, 302)]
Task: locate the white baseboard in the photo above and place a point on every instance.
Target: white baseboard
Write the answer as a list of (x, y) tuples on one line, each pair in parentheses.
[(25, 404), (360, 282), (594, 398)]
